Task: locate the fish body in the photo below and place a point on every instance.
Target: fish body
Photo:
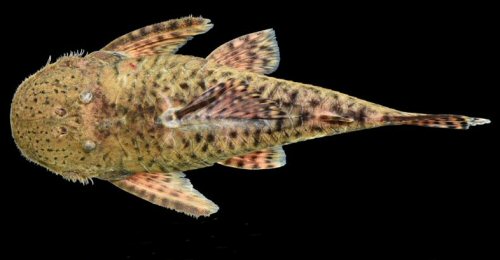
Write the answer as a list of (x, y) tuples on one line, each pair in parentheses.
[(138, 115)]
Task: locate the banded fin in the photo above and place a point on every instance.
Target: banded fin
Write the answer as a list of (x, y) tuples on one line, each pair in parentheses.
[(256, 52), (269, 158), (169, 190), (439, 121), (230, 100), (165, 37)]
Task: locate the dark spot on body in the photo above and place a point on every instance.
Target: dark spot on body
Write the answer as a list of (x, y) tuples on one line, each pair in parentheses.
[(188, 22), (150, 109), (293, 96), (142, 193), (279, 124), (151, 163), (363, 114), (173, 25), (337, 107), (386, 117), (316, 129), (226, 74), (201, 84), (313, 103), (197, 137)]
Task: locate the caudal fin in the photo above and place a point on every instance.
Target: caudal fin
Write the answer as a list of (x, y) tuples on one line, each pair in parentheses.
[(439, 121)]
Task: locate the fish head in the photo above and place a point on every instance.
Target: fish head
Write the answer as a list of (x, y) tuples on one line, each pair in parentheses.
[(48, 122)]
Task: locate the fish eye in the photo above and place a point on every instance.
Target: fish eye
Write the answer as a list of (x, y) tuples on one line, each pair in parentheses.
[(88, 146), (86, 96), (60, 112)]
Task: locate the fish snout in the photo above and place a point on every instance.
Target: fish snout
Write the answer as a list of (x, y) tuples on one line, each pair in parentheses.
[(43, 121)]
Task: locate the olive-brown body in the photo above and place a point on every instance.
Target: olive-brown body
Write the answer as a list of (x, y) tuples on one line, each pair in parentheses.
[(137, 114)]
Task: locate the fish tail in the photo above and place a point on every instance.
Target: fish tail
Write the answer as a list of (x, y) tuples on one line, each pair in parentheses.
[(438, 121)]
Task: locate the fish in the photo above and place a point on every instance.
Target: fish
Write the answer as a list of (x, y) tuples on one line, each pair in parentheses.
[(138, 115)]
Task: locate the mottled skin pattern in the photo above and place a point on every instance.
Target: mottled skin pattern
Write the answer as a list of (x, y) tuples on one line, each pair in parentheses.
[(130, 94), (100, 116)]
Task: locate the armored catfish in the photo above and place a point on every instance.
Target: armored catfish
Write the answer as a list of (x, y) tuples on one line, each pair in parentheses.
[(137, 115)]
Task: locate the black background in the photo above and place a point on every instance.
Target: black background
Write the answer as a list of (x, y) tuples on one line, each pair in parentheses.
[(395, 192)]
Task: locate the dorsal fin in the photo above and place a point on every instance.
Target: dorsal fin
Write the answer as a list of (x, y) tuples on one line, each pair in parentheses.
[(170, 190), (256, 52), (226, 100), (165, 37), (269, 158)]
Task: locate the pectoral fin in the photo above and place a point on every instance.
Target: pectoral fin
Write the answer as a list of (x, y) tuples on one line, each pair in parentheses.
[(165, 37), (264, 159), (256, 52), (169, 190)]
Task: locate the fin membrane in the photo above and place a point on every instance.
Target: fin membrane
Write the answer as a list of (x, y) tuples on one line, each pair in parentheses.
[(256, 52), (165, 37), (439, 121), (169, 190), (263, 159), (230, 100)]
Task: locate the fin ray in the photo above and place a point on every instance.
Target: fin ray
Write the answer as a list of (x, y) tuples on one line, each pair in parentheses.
[(256, 52), (230, 100), (170, 190), (165, 37), (438, 121), (269, 158)]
